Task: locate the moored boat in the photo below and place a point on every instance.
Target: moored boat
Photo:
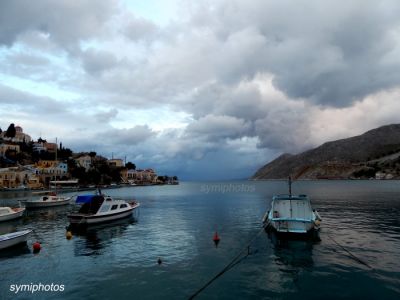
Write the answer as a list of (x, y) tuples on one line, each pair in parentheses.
[(51, 199), (292, 215), (8, 213), (100, 208), (14, 238), (21, 187)]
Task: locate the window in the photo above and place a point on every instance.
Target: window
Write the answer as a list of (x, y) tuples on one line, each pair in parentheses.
[(114, 207), (104, 208), (123, 206)]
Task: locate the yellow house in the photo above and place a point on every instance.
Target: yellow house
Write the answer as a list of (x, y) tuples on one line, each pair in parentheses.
[(116, 162), (8, 178), (14, 177), (46, 163), (141, 176)]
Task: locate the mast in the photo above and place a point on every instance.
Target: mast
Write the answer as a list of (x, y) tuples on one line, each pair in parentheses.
[(290, 196), (56, 165)]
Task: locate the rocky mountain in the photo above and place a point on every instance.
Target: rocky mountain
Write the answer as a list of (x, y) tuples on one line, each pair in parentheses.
[(375, 153)]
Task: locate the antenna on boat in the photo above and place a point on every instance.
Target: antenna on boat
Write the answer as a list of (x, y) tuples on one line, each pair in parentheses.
[(290, 186)]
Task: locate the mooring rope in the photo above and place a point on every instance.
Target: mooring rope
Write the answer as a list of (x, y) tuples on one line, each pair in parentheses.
[(351, 255), (236, 260)]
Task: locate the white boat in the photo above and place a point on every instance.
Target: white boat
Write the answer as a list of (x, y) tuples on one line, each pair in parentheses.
[(21, 187), (292, 214), (51, 199), (8, 213), (99, 209), (14, 238)]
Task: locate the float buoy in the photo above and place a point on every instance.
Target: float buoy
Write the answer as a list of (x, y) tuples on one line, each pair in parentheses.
[(216, 239), (159, 261), (36, 247), (68, 235)]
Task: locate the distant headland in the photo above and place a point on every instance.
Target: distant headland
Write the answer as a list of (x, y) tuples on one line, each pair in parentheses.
[(372, 155)]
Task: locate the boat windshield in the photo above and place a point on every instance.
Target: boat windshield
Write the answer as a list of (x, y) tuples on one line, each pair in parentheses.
[(93, 206)]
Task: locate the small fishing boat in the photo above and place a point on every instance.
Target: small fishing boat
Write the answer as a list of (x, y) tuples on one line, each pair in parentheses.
[(14, 238), (8, 213), (100, 208), (51, 199), (292, 215)]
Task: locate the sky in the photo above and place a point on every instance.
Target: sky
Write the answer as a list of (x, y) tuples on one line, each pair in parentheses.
[(205, 90)]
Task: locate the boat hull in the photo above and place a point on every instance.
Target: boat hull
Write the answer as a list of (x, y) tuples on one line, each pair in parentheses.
[(50, 203), (12, 216), (312, 233), (15, 238), (81, 219)]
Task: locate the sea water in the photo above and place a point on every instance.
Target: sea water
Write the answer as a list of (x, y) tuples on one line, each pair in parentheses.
[(358, 256)]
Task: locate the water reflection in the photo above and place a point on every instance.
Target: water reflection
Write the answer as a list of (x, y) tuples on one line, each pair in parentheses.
[(292, 256), (14, 251), (94, 238)]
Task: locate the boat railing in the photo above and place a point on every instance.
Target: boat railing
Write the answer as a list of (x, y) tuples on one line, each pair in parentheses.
[(285, 219), (290, 197)]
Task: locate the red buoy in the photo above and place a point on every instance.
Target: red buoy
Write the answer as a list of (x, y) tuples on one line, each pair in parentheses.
[(36, 247), (216, 239)]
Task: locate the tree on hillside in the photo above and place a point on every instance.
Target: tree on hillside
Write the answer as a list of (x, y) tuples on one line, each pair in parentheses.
[(130, 166), (11, 132), (1, 130)]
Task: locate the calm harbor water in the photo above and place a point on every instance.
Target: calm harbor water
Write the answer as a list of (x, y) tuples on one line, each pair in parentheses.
[(177, 223)]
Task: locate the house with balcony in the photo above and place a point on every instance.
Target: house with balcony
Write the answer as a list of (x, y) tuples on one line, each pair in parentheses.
[(147, 176), (16, 176), (51, 170), (38, 147)]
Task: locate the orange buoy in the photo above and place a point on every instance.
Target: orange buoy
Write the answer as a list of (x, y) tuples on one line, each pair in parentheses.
[(36, 247), (68, 235), (216, 239)]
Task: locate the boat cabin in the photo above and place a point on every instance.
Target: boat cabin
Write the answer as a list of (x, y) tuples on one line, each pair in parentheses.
[(95, 204)]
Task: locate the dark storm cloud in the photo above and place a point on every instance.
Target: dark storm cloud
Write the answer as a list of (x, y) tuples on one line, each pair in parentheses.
[(317, 50), (215, 128), (64, 21), (129, 136)]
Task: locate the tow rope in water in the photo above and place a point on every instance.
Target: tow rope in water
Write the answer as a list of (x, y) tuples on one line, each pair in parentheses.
[(351, 255), (236, 260)]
